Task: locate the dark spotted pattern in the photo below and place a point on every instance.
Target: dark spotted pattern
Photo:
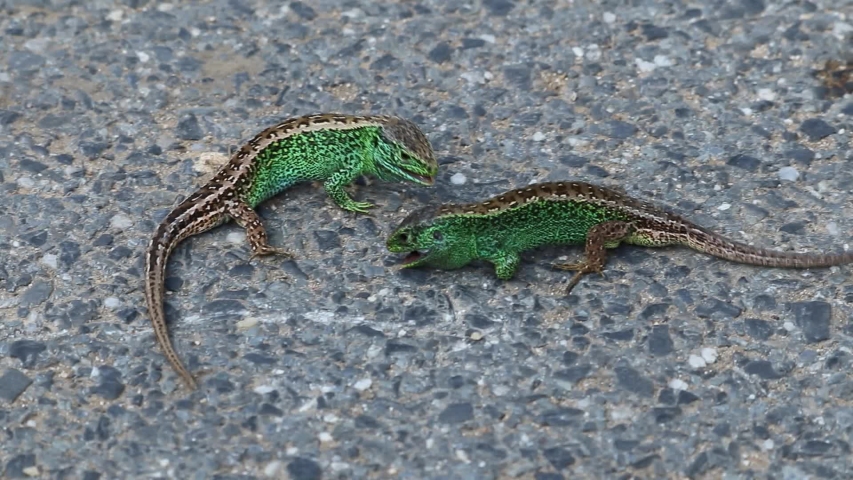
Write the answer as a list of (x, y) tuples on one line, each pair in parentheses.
[(555, 213), (329, 147)]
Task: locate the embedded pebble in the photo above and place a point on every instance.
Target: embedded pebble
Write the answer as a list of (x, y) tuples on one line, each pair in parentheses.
[(121, 222), (788, 174), (458, 179)]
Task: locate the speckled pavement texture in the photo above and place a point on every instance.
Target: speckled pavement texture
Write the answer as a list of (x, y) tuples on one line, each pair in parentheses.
[(337, 365)]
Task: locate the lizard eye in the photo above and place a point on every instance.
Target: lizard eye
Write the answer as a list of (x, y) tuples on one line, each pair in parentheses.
[(404, 237), (436, 235)]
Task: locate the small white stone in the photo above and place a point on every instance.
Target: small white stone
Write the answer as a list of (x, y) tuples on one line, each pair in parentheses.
[(644, 66), (488, 75), (49, 260), (578, 51), (325, 437), (746, 111), (788, 174), (695, 361), (678, 384), (841, 29), (31, 471), (709, 355), (725, 206), (462, 456), (164, 7), (488, 38), (115, 15), (143, 57), (608, 17), (26, 182), (237, 237), (662, 61), (112, 303), (789, 326), (331, 418), (832, 228), (538, 137), (768, 444), (291, 451), (247, 323), (264, 389), (272, 468), (458, 179), (362, 384), (121, 222), (766, 94)]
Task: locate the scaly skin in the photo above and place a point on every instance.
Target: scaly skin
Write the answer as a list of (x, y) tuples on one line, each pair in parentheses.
[(565, 213), (332, 148)]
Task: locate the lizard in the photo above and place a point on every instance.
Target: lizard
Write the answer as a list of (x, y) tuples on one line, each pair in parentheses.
[(332, 148), (497, 230)]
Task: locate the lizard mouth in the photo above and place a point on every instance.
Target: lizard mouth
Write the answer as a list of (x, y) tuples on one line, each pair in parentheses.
[(413, 258)]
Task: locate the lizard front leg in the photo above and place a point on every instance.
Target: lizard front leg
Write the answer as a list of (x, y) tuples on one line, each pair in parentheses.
[(256, 234), (335, 184), (598, 239), (506, 263)]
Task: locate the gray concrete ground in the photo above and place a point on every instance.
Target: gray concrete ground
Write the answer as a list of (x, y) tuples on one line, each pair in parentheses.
[(673, 365)]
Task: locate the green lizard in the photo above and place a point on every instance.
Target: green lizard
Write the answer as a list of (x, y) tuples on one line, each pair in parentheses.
[(565, 213), (332, 148)]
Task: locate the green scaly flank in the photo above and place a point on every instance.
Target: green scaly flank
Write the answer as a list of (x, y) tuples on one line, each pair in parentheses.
[(338, 157), (453, 240)]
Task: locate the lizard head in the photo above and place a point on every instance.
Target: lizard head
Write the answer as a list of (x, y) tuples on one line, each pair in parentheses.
[(434, 240), (403, 153)]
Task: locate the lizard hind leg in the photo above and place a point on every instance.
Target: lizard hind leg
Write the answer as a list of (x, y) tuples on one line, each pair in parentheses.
[(256, 234), (599, 238)]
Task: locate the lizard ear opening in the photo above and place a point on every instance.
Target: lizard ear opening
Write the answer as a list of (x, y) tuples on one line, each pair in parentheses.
[(436, 235)]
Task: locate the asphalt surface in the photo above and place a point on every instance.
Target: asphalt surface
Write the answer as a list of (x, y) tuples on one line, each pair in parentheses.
[(337, 364)]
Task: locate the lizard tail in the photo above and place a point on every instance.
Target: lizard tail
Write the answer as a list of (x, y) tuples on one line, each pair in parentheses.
[(164, 240), (702, 240)]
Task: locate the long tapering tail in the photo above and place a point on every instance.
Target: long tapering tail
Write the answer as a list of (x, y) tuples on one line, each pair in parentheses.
[(702, 240), (164, 240)]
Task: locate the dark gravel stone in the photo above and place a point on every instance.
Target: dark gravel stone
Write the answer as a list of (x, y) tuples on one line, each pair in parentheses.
[(366, 421), (817, 129), (15, 467), (32, 166), (574, 374), (758, 329), (519, 76), (12, 384), (633, 381), (224, 307), (8, 117), (814, 319), (652, 32), (304, 469), (745, 162), (660, 342), (440, 53), (499, 8), (561, 417), (259, 359), (560, 458), (763, 369), (25, 62), (69, 252), (104, 240), (457, 413), (110, 387), (26, 351), (304, 11), (189, 129), (620, 130), (38, 239), (848, 109), (801, 155), (477, 321), (719, 307), (327, 240)]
